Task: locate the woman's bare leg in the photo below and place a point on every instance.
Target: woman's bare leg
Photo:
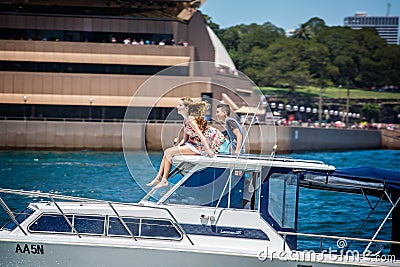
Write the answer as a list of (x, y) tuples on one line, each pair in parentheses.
[(159, 174), (169, 154)]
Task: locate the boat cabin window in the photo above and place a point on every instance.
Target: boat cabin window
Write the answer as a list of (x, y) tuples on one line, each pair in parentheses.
[(55, 223), (279, 200), (51, 223), (146, 228), (89, 224), (20, 218), (94, 225), (158, 228), (282, 197), (116, 228), (226, 188)]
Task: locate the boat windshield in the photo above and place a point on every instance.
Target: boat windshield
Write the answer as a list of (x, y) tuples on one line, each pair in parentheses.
[(218, 187), (20, 218), (174, 178)]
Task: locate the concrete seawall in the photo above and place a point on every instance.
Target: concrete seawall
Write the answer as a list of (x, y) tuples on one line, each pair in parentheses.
[(61, 135), (391, 139)]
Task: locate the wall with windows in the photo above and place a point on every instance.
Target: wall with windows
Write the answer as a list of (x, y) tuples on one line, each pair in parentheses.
[(387, 27), (86, 28)]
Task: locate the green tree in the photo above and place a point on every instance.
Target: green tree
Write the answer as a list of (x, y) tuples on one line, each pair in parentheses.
[(304, 32), (387, 65), (317, 55), (241, 39), (371, 112), (353, 52), (316, 25), (214, 26), (289, 63), (396, 109), (308, 30)]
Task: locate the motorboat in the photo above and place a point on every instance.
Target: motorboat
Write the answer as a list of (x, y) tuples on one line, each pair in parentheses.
[(221, 211)]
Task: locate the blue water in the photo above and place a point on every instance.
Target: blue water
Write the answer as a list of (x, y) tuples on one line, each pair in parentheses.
[(104, 175)]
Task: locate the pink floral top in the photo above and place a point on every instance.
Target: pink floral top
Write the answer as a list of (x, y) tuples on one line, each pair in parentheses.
[(214, 137)]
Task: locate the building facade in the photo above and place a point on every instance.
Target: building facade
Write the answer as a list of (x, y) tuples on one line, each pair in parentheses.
[(386, 26), (79, 63)]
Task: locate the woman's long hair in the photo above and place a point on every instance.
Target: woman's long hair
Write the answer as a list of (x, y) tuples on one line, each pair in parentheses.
[(197, 110), (186, 101)]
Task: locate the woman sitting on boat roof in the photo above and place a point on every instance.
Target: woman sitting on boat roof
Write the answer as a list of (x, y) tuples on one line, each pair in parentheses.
[(199, 138)]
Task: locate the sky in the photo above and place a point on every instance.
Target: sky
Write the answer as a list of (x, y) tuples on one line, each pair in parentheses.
[(289, 14)]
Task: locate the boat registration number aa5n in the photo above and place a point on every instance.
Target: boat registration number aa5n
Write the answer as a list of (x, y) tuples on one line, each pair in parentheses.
[(29, 249)]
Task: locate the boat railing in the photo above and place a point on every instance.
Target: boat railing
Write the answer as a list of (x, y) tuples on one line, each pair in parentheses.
[(112, 204), (343, 239), (270, 158), (12, 216)]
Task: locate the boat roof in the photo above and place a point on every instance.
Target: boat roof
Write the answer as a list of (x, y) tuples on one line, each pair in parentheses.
[(316, 174), (252, 162), (354, 180)]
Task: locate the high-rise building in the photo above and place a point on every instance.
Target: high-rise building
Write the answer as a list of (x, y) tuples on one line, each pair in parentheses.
[(386, 26)]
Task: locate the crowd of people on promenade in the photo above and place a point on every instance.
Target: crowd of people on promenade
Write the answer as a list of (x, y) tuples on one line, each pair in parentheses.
[(363, 125), (105, 39), (280, 121), (134, 41)]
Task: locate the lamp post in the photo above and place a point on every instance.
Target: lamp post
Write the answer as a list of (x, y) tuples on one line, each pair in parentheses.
[(320, 103), (273, 106), (25, 99), (315, 111), (90, 107), (308, 111), (302, 109), (347, 106), (288, 109), (280, 107), (295, 110)]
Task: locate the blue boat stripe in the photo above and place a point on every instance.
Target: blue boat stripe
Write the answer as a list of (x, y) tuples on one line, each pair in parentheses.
[(224, 231)]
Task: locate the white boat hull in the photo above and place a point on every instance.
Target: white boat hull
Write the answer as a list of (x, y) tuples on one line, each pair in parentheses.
[(58, 254)]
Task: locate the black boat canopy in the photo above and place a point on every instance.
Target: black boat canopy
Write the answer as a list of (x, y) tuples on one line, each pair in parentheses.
[(367, 180), (381, 183)]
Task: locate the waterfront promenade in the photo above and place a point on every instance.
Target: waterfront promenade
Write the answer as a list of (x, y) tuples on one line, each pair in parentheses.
[(63, 135)]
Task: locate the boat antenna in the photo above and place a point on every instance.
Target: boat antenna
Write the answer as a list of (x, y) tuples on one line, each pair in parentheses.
[(262, 99), (274, 150)]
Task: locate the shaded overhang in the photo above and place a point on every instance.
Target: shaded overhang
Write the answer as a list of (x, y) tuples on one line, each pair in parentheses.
[(89, 100), (155, 9), (87, 58), (360, 180)]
